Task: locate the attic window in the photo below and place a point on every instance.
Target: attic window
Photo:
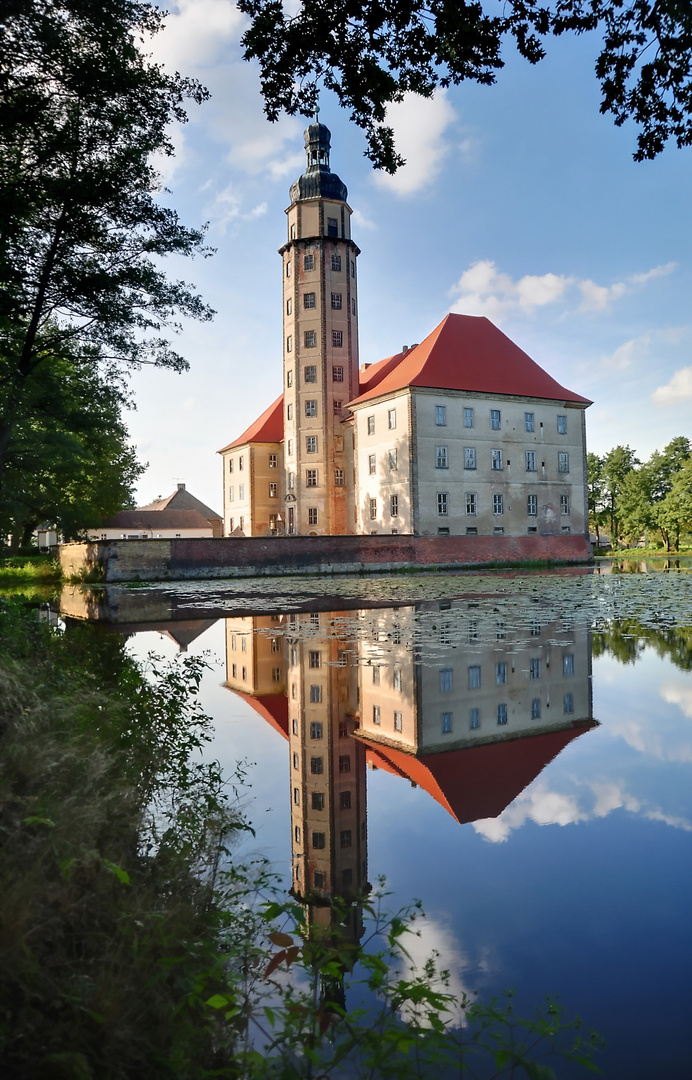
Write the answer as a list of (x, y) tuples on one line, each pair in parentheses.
[(332, 227)]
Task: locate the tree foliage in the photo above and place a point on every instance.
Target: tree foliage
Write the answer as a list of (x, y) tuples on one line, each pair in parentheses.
[(82, 235), (372, 52)]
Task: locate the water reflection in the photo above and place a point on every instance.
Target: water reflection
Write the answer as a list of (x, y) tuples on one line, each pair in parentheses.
[(470, 711)]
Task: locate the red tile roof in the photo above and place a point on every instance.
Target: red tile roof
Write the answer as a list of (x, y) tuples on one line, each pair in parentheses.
[(478, 781), (469, 353), (268, 428), (271, 707)]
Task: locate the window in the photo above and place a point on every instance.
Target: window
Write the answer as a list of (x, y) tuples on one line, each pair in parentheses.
[(336, 263), (495, 419), (289, 377), (308, 262), (311, 477), (536, 708), (372, 464), (296, 761), (337, 339), (289, 411), (296, 796), (391, 418), (471, 502), (392, 459), (501, 673), (502, 714), (373, 509), (332, 226), (474, 719), (241, 526), (530, 460), (310, 373), (310, 339), (289, 346), (311, 444), (318, 841), (563, 461), (315, 695), (568, 703), (309, 299), (230, 525), (568, 664), (296, 833), (288, 269), (562, 425), (376, 714), (394, 505), (446, 681), (241, 463), (289, 306), (469, 457), (442, 503), (396, 679), (528, 421), (338, 408), (316, 729), (291, 481), (318, 800), (235, 671), (273, 491), (336, 301), (312, 515), (446, 723), (468, 418), (273, 461), (241, 493), (345, 763), (564, 504), (289, 447), (371, 425), (353, 269), (230, 465), (474, 677), (441, 415), (535, 628), (353, 304), (320, 880), (345, 800), (337, 374), (338, 478), (398, 721), (316, 766), (315, 658), (231, 493), (441, 457), (376, 675), (498, 505), (496, 460), (532, 505), (534, 669), (311, 408), (345, 838)]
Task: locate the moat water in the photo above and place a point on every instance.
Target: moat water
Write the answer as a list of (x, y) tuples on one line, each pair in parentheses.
[(513, 749)]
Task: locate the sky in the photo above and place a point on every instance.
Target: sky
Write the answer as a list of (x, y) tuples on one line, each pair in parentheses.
[(518, 201)]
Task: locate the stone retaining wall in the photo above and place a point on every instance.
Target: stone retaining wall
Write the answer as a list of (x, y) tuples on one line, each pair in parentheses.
[(231, 557)]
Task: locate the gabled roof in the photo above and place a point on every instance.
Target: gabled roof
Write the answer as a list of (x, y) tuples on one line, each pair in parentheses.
[(182, 499), (156, 519), (477, 781), (371, 375), (469, 353), (271, 707), (268, 428)]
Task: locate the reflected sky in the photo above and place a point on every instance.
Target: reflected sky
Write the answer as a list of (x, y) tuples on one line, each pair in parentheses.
[(522, 768)]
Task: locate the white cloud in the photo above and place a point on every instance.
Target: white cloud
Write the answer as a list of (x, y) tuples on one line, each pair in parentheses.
[(195, 34), (419, 134), (227, 209), (678, 389), (679, 694), (485, 290), (434, 939)]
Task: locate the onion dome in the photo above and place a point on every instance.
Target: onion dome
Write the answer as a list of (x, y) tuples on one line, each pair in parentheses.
[(318, 181)]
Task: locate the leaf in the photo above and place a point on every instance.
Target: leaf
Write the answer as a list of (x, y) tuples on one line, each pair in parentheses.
[(274, 962), (122, 875), (292, 954), (40, 821), (218, 1001), (278, 938), (537, 1072)]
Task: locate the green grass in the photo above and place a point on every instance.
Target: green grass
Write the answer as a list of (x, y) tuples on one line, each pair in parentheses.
[(30, 568)]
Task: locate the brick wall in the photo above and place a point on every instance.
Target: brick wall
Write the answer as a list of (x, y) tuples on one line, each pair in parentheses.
[(228, 557)]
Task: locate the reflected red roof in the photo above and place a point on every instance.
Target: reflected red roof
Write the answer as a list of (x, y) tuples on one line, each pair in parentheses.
[(268, 428), (469, 353), (272, 707), (478, 781)]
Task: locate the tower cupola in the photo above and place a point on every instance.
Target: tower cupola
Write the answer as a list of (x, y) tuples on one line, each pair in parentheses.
[(318, 181)]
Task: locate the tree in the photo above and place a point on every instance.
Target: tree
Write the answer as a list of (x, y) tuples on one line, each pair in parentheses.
[(617, 463), (674, 512), (82, 111), (595, 489), (69, 461), (645, 497), (372, 52)]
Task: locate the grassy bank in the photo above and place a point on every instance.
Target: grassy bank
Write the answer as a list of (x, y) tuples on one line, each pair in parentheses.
[(29, 568)]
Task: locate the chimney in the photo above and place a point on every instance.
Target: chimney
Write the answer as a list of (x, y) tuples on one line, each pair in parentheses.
[(404, 348), (181, 487)]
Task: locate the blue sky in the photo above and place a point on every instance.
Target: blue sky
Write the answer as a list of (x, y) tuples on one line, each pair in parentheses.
[(519, 202)]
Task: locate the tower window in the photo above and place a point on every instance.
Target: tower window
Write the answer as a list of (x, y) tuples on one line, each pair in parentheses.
[(288, 269), (310, 339), (310, 373), (338, 408), (293, 232), (338, 478), (289, 411), (311, 407), (289, 375), (372, 464), (318, 842), (318, 800), (273, 461), (309, 300), (353, 307), (332, 227), (273, 491), (311, 477), (289, 344), (345, 763), (308, 262), (336, 263), (311, 444), (353, 272), (291, 481), (289, 306), (336, 301), (337, 374), (337, 339), (312, 515), (316, 729)]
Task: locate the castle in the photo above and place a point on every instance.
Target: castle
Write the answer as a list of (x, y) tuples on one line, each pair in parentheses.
[(460, 435)]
